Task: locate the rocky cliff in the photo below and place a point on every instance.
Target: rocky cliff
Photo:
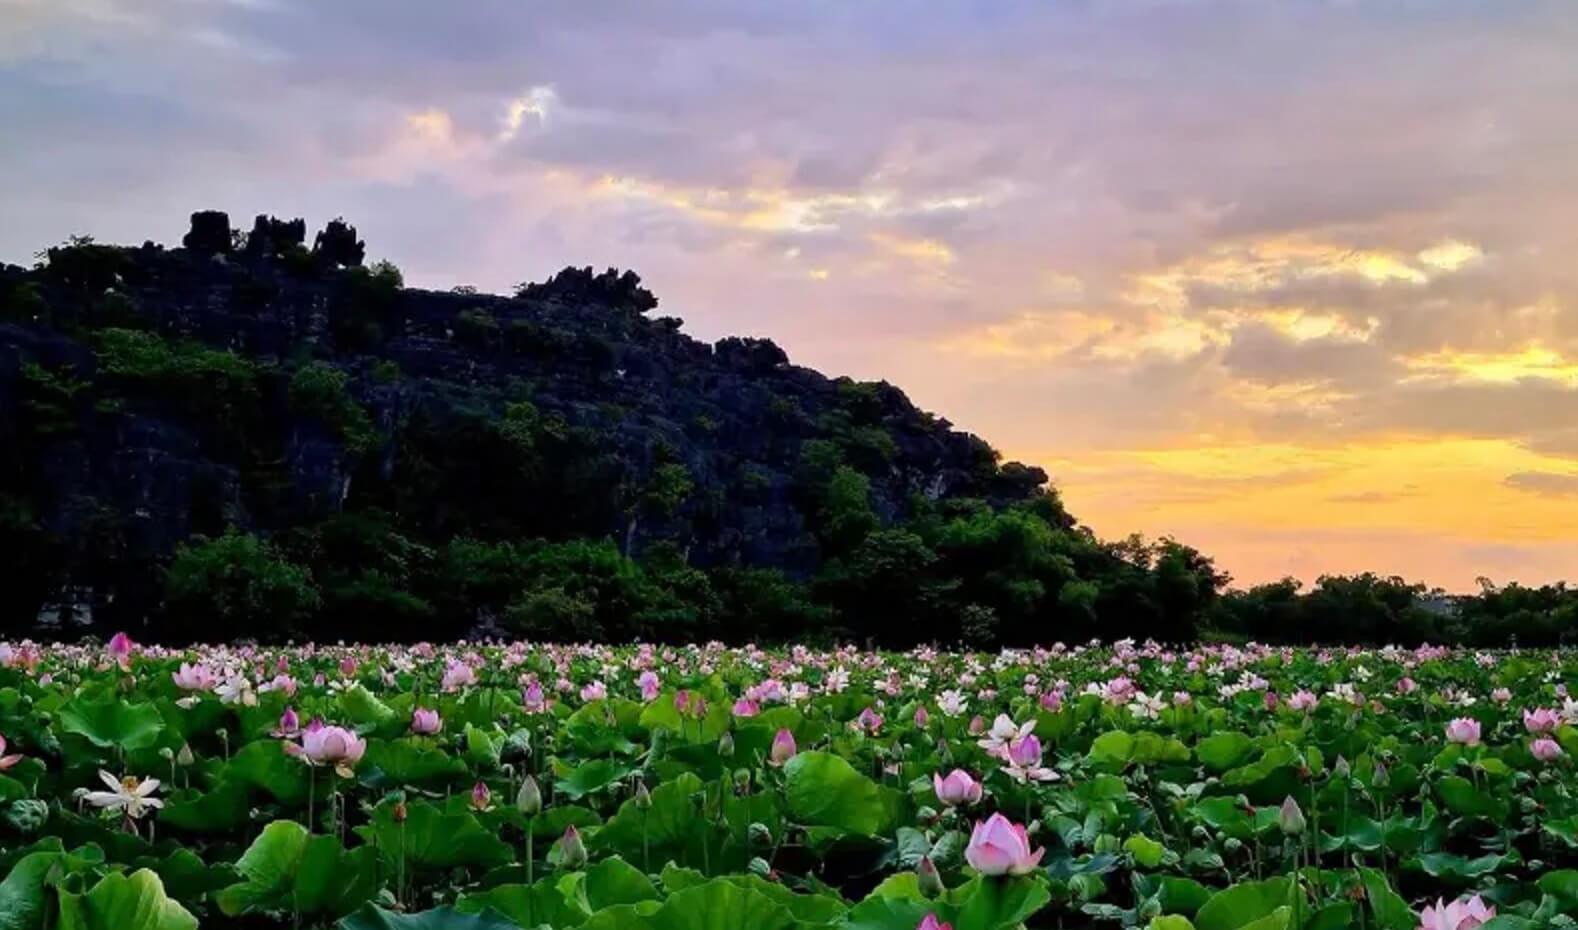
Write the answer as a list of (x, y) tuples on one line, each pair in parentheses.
[(148, 394)]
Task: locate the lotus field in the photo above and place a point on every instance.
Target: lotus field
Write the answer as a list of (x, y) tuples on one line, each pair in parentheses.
[(488, 786)]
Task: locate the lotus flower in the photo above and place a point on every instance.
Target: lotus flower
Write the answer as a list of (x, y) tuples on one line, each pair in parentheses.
[(1544, 749), (1001, 847), (746, 707), (336, 746), (426, 722), (194, 677), (5, 760), (1464, 730), (1541, 720), (533, 699), (922, 717), (1459, 915), (869, 721), (930, 922), (595, 691), (1003, 733), (958, 789), (120, 649), (458, 675), (783, 748), (481, 797), (650, 686), (129, 794), (1302, 700), (289, 724)]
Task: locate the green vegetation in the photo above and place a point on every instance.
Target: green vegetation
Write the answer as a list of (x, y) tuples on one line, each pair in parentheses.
[(319, 390)]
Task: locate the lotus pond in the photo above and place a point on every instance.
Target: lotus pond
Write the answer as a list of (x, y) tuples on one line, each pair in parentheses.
[(495, 786)]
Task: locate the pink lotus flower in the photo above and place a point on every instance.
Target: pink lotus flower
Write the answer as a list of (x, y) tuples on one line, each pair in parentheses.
[(650, 686), (458, 675), (1184, 698), (783, 748), (5, 760), (533, 699), (1004, 732), (596, 691), (977, 725), (1501, 695), (426, 722), (1459, 915), (1001, 847), (194, 677), (746, 708), (958, 789), (289, 724), (930, 923), (921, 717), (1541, 720), (481, 797), (1302, 700), (1464, 730), (1546, 749), (1052, 701), (336, 746), (1025, 752), (1406, 685), (120, 649), (869, 721), (347, 667)]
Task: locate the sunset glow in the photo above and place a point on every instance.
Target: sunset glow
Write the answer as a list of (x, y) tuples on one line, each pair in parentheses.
[(1282, 281)]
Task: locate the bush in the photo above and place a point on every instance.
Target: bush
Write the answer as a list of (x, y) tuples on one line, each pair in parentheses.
[(237, 582)]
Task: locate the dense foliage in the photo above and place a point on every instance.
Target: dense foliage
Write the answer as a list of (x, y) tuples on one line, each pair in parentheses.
[(249, 438), (488, 787)]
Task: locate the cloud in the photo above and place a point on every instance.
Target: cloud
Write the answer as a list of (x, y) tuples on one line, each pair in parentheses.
[(1086, 231), (1548, 484)]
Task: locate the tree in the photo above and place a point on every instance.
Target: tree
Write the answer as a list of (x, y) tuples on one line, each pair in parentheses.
[(336, 245), (210, 233), (236, 582)]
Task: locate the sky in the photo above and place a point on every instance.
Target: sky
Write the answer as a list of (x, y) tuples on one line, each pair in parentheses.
[(1293, 282)]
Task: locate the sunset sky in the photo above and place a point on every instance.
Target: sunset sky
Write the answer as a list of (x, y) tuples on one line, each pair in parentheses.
[(1296, 282)]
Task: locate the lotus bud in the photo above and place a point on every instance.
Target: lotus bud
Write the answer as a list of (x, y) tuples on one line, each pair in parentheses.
[(481, 796), (529, 799), (759, 833), (398, 813), (1382, 777), (726, 745), (1232, 844), (167, 754), (572, 852), (929, 879), (1341, 768), (1290, 818), (185, 757), (783, 748), (760, 867), (643, 797)]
